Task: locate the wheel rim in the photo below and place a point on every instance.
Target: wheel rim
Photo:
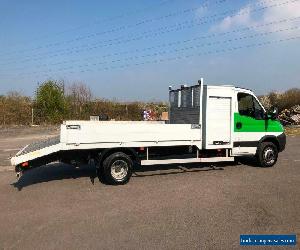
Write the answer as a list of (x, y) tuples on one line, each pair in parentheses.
[(269, 155), (119, 169)]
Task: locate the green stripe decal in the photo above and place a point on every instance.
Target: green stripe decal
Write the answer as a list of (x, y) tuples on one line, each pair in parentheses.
[(249, 124)]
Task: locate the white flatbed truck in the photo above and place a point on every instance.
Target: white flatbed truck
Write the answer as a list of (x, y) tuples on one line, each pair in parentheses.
[(206, 124)]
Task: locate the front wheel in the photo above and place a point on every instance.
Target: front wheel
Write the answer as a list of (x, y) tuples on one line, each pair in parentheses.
[(117, 168), (267, 154)]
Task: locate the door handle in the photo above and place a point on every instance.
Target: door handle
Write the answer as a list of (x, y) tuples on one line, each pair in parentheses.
[(238, 125)]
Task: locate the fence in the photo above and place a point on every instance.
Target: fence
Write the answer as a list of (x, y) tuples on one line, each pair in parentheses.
[(20, 110)]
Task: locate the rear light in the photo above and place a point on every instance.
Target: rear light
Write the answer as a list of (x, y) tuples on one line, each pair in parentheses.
[(25, 164)]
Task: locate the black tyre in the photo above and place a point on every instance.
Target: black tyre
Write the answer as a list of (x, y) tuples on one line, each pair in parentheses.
[(267, 154), (100, 174), (117, 168)]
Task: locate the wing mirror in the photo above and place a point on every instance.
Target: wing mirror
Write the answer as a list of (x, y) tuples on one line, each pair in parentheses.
[(272, 113)]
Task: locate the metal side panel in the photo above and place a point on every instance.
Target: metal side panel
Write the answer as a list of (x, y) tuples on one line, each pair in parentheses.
[(182, 161), (218, 129), (132, 144), (130, 134), (218, 120)]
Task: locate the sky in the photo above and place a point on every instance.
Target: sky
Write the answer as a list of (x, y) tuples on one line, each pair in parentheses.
[(133, 50)]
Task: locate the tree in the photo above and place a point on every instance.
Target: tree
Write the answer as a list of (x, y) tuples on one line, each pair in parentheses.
[(15, 109), (79, 100), (50, 101), (285, 100)]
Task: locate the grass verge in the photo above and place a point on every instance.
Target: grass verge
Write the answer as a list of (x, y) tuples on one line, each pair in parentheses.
[(292, 131)]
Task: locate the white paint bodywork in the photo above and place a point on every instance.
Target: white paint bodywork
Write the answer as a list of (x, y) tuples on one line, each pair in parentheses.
[(218, 120), (250, 136), (218, 116), (137, 134), (35, 154), (182, 161)]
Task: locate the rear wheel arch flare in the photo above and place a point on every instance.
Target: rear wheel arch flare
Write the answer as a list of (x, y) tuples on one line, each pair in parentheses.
[(128, 151)]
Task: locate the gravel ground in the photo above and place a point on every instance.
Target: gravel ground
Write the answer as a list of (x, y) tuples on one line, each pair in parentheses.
[(171, 207)]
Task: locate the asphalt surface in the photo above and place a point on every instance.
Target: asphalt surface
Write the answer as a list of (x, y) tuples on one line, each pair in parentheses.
[(171, 207)]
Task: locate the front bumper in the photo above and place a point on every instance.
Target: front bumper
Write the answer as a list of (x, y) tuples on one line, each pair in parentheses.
[(281, 141)]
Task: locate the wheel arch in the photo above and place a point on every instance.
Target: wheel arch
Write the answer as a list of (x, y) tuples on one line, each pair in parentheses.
[(131, 152), (270, 138)]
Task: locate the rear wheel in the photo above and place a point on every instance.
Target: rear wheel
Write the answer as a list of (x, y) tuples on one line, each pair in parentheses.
[(267, 154), (117, 168)]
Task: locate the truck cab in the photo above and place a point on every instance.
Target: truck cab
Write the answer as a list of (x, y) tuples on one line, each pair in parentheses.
[(254, 125), (230, 118)]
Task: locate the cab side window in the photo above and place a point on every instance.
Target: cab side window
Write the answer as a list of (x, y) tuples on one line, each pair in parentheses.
[(249, 106)]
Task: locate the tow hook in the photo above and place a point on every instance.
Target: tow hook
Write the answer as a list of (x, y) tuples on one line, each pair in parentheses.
[(19, 174)]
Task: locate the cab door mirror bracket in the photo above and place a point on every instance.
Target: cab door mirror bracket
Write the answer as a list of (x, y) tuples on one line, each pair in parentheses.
[(272, 113)]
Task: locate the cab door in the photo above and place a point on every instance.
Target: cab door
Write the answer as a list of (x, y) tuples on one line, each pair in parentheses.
[(250, 124)]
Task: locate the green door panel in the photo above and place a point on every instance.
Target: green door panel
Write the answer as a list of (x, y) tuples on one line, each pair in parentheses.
[(250, 124)]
